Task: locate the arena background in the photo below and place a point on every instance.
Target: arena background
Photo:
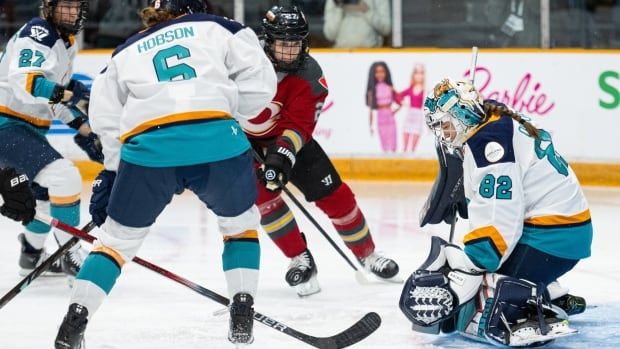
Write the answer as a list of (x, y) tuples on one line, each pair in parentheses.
[(562, 70)]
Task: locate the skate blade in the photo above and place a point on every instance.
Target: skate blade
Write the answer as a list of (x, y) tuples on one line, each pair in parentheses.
[(308, 288), (25, 272), (220, 312), (366, 278), (521, 338)]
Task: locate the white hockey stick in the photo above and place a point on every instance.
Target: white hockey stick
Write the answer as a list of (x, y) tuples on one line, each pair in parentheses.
[(472, 67)]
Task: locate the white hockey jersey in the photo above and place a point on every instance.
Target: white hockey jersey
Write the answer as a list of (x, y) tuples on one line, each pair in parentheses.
[(36, 50), (170, 95), (520, 190)]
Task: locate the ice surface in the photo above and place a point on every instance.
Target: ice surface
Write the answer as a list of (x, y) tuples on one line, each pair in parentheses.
[(146, 310)]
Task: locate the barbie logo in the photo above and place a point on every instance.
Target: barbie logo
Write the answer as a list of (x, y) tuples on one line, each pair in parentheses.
[(526, 96), (327, 106), (321, 132)]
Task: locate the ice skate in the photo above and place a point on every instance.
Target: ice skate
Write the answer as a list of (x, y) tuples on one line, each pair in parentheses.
[(71, 331), (241, 320), (572, 305), (529, 333), (302, 274), (71, 262), (30, 258), (383, 268)]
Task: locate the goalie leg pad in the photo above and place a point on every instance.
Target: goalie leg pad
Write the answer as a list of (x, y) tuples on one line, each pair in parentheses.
[(521, 315)]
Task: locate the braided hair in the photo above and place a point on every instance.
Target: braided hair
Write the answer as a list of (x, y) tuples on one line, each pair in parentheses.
[(492, 107)]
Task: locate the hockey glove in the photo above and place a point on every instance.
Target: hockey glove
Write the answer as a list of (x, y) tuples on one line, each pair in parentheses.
[(275, 172), (19, 204), (102, 188), (91, 145), (81, 95)]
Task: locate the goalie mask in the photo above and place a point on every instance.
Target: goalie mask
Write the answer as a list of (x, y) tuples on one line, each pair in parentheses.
[(453, 112), (179, 7), (285, 32), (68, 16)]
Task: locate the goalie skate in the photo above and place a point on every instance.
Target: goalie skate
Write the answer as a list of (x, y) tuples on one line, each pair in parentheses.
[(529, 333)]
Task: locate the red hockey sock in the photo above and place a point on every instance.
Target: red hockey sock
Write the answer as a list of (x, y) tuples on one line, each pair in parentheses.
[(279, 223), (341, 207)]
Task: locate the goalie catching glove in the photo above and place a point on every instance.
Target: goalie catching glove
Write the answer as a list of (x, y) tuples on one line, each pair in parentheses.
[(445, 282)]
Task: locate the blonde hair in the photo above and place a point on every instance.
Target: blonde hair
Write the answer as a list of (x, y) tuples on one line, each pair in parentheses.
[(151, 16), (492, 107)]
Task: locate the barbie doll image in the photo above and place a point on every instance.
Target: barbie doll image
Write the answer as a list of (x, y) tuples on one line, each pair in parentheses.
[(414, 121), (380, 96)]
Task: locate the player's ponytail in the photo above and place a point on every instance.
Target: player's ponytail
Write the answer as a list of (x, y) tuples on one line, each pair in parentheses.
[(492, 107), (151, 16)]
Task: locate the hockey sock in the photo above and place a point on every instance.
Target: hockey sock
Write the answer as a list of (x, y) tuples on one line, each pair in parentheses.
[(241, 261), (279, 223), (36, 232), (68, 213), (341, 207), (96, 278)]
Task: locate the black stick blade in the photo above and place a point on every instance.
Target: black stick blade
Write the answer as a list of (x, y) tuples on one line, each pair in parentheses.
[(360, 330)]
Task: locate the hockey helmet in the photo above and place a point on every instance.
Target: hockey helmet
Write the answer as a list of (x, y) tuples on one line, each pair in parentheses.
[(179, 7), (287, 24), (68, 16), (453, 111)]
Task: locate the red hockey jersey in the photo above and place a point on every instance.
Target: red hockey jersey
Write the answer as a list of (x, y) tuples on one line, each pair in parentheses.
[(300, 98)]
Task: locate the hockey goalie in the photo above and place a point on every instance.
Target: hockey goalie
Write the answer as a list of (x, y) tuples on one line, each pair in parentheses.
[(529, 224)]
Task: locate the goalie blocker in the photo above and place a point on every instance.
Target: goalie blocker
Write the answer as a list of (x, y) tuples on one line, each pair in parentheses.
[(449, 293), (447, 197)]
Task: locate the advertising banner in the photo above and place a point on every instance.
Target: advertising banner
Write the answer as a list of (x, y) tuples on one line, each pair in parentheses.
[(374, 108)]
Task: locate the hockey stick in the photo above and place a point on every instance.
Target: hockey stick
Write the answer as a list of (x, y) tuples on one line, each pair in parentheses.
[(472, 67), (359, 274), (358, 331), (472, 78), (36, 272)]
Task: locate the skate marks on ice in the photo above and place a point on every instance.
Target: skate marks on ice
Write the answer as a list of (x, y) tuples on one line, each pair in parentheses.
[(598, 326)]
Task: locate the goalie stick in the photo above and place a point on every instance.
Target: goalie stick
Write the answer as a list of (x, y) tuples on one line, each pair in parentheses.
[(357, 332), (36, 272)]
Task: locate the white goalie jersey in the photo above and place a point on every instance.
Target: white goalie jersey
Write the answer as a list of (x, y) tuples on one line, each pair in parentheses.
[(520, 190)]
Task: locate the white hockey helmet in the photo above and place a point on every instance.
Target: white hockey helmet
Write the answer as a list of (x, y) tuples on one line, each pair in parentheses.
[(453, 111)]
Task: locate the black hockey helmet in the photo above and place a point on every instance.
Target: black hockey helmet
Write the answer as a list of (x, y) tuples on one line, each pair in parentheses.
[(179, 7), (285, 23), (71, 27)]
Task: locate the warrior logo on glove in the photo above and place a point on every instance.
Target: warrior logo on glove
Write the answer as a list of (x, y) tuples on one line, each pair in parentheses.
[(270, 175)]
